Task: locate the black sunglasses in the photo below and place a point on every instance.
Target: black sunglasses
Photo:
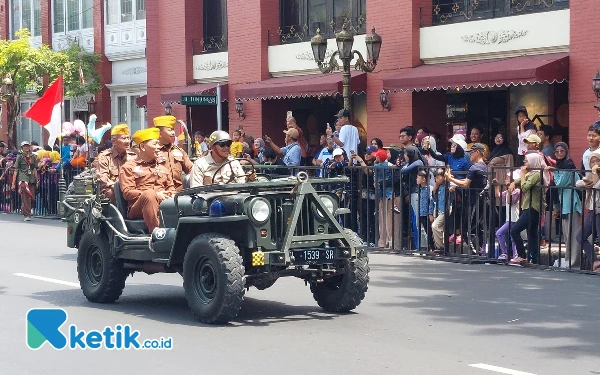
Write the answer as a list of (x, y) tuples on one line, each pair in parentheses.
[(224, 143)]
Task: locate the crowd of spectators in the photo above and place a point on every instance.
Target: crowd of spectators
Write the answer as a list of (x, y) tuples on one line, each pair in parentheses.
[(412, 190)]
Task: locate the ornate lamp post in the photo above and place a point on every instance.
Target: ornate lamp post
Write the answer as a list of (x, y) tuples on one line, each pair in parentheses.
[(168, 109), (91, 106), (596, 85), (344, 40)]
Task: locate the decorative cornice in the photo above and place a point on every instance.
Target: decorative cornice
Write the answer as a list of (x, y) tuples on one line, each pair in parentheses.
[(494, 37), (308, 55), (212, 65), (135, 70)]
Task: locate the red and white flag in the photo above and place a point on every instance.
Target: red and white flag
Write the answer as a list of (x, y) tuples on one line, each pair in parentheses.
[(47, 110), (81, 77)]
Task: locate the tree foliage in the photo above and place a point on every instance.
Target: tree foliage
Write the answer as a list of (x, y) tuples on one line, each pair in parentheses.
[(30, 67)]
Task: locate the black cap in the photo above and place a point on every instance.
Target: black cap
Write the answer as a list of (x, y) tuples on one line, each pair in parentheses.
[(476, 146), (597, 105), (2, 144), (520, 108), (343, 113)]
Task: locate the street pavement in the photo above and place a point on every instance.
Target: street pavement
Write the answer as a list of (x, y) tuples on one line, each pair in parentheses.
[(419, 317)]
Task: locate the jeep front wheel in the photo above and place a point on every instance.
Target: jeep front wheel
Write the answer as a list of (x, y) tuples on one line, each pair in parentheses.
[(213, 278), (344, 292), (101, 275)]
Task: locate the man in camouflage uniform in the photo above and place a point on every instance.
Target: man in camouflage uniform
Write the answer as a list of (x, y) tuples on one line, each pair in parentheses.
[(108, 163), (25, 178), (177, 160)]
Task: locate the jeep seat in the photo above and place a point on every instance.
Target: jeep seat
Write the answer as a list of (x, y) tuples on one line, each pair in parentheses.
[(133, 226)]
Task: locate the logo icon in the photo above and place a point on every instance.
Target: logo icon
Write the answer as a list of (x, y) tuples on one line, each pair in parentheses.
[(43, 325)]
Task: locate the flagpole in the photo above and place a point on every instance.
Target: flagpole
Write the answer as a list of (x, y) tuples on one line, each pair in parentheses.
[(62, 184)]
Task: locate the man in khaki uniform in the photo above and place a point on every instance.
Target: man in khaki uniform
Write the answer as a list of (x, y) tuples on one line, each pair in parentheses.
[(109, 162), (205, 168), (177, 160), (146, 181)]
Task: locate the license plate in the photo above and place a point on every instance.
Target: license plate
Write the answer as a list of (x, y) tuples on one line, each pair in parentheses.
[(314, 256)]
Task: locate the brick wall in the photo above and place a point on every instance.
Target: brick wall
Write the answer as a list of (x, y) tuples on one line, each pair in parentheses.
[(398, 27), (102, 97), (3, 35), (248, 25), (46, 22), (584, 60), (169, 54)]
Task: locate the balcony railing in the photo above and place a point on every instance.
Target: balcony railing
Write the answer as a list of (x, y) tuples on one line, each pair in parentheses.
[(303, 33), (210, 44), (454, 11)]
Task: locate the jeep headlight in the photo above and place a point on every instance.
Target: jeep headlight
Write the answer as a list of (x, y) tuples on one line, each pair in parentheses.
[(329, 204), (260, 210)]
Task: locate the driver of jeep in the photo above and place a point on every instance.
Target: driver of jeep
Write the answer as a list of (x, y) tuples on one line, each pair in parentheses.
[(212, 168)]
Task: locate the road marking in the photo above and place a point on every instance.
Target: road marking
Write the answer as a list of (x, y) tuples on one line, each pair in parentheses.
[(41, 278), (500, 370)]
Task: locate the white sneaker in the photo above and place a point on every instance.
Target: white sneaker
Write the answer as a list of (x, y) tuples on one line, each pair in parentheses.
[(27, 219)]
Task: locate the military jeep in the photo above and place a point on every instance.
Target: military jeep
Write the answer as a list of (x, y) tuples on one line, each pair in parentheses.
[(223, 239)]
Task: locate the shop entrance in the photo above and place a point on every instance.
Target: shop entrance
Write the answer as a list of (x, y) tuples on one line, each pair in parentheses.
[(487, 109)]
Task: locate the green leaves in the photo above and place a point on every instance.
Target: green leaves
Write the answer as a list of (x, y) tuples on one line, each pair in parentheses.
[(27, 66)]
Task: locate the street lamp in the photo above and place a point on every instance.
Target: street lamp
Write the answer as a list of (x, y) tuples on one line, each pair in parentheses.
[(383, 99), (344, 40), (168, 109), (6, 90), (239, 108), (596, 84), (91, 106)]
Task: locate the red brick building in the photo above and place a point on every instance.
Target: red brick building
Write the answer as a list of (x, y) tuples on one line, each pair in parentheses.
[(445, 64)]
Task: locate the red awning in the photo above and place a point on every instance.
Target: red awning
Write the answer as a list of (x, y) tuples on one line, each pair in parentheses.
[(141, 101), (301, 86), (174, 95), (482, 73)]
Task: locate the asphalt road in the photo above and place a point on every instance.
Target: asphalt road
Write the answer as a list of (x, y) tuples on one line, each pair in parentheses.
[(419, 317)]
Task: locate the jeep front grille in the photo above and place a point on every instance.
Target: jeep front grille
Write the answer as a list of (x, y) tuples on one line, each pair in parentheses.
[(281, 215)]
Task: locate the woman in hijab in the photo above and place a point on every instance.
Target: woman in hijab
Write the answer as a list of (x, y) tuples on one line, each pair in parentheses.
[(567, 205), (259, 145), (429, 143), (500, 162), (532, 204), (591, 221)]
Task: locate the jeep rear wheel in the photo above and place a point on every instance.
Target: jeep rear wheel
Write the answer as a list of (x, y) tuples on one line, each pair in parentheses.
[(344, 292), (101, 275), (213, 278)]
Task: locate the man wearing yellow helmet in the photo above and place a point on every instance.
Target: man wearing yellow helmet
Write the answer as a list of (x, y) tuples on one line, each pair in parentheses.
[(177, 160), (109, 162), (146, 181)]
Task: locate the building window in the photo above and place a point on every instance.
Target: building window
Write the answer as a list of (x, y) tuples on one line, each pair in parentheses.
[(300, 19), (59, 16), (118, 11), (25, 14), (454, 11), (128, 113), (215, 26), (28, 130), (72, 15)]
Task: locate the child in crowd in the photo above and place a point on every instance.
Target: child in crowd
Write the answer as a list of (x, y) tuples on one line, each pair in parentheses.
[(511, 202), (383, 188), (236, 148), (426, 205), (439, 214)]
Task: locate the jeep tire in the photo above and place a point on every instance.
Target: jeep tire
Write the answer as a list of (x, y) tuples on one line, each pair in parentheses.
[(213, 278), (101, 275), (344, 292)]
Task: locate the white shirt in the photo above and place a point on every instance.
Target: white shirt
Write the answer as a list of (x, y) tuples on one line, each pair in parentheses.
[(586, 158), (349, 137)]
